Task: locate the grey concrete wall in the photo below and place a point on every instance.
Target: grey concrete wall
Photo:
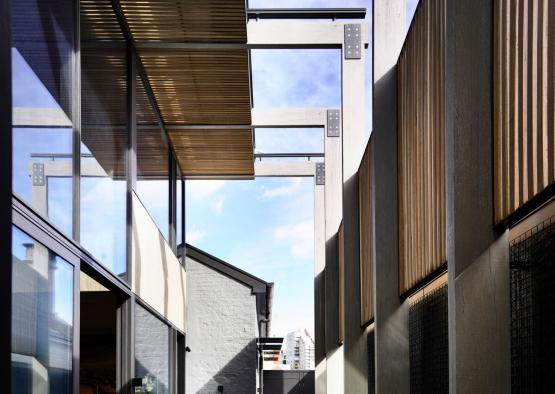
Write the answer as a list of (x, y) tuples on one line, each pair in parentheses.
[(392, 369), (479, 296), (221, 333), (355, 344)]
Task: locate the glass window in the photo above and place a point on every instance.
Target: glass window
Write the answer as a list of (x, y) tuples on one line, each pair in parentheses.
[(180, 184), (153, 163), (42, 318), (103, 139), (42, 64), (151, 352)]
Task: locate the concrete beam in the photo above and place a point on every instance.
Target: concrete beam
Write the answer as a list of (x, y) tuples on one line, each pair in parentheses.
[(283, 169), (479, 295), (40, 117), (391, 315), (277, 34), (288, 117)]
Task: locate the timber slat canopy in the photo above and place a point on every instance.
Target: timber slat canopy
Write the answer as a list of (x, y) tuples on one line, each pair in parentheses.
[(194, 85)]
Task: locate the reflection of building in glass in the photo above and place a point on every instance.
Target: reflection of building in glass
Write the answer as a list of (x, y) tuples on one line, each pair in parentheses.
[(41, 335), (298, 351)]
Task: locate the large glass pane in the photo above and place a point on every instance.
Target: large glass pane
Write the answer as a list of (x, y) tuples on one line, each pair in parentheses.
[(179, 209), (151, 352), (42, 318), (153, 181), (42, 64), (103, 136)]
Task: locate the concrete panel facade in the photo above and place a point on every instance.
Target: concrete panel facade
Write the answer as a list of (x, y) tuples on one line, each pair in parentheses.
[(479, 296), (392, 369)]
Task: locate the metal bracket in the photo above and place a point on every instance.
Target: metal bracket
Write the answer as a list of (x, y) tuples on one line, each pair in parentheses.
[(353, 41), (334, 123), (320, 173), (38, 174)]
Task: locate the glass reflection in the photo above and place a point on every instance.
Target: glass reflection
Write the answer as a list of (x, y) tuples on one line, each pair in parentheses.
[(42, 64), (103, 137), (179, 209), (151, 352), (42, 318), (152, 164)]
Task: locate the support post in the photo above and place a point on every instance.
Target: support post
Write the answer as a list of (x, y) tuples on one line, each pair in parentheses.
[(479, 295), (353, 119), (5, 194), (319, 287), (391, 314), (334, 207)]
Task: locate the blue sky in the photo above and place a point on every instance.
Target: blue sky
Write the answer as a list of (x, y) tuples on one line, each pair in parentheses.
[(265, 226)]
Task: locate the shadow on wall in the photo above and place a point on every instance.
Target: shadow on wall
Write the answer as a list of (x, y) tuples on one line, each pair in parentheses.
[(235, 374), (289, 382), (332, 294), (320, 315)]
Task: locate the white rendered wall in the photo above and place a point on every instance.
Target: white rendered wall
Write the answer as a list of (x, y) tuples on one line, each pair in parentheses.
[(221, 333)]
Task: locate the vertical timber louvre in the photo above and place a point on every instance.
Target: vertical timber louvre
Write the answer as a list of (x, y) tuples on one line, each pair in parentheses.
[(524, 105), (421, 146), (366, 220)]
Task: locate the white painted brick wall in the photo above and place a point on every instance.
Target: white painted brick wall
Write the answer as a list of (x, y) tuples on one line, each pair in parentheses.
[(221, 333)]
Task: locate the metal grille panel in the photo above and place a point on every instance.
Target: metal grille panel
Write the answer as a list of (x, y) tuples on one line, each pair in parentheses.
[(532, 318), (429, 346), (371, 362)]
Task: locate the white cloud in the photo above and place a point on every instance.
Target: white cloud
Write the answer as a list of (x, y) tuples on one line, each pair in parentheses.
[(281, 191), (203, 188), (301, 237), (218, 205), (194, 236)]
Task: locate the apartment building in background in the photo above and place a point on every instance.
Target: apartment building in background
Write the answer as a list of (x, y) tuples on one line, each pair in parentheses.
[(298, 350)]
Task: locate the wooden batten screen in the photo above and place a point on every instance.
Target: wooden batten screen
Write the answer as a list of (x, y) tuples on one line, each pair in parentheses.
[(341, 284), (196, 60), (366, 220), (421, 146), (524, 104)]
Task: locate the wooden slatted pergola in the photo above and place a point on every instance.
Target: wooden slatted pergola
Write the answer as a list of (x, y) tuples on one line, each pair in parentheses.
[(196, 62)]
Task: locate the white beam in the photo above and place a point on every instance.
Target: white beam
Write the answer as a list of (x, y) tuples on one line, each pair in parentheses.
[(269, 34), (40, 117), (283, 169), (288, 117)]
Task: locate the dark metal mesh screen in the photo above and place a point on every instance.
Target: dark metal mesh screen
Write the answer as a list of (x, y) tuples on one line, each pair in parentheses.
[(532, 258), (429, 345), (371, 365)]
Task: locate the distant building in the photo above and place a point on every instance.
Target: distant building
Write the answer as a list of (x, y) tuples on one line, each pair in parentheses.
[(298, 351)]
